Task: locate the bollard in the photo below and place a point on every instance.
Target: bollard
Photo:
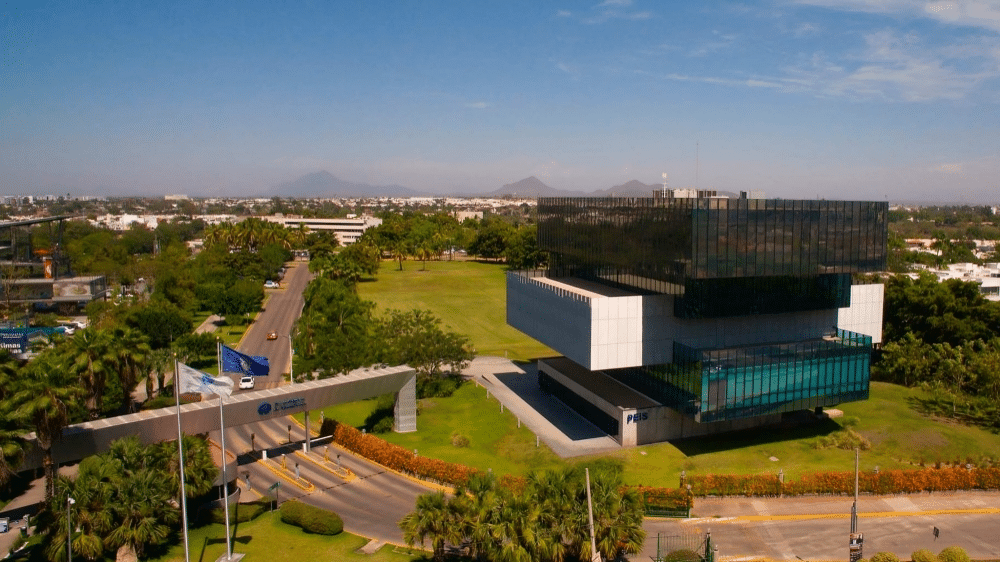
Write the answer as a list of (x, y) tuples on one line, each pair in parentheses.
[(263, 454), (536, 441), (305, 447), (519, 423), (296, 471), (501, 407)]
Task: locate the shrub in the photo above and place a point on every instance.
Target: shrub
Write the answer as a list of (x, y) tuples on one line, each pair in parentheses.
[(311, 519), (953, 554), (844, 439), (682, 555), (884, 557), (383, 425), (239, 513), (923, 555), (459, 440)]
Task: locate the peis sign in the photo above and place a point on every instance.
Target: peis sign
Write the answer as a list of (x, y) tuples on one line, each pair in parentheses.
[(636, 417), (266, 408)]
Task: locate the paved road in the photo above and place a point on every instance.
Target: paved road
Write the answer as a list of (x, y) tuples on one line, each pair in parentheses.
[(370, 504), (281, 309)]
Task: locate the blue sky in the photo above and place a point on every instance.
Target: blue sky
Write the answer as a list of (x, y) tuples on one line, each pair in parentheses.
[(840, 99)]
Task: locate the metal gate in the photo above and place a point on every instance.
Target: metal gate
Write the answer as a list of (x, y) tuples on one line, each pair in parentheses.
[(688, 547)]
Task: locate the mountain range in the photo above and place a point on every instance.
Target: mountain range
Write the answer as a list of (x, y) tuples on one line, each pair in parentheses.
[(325, 184)]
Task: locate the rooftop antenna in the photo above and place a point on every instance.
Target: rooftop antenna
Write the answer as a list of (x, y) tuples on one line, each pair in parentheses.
[(697, 164), (665, 189)]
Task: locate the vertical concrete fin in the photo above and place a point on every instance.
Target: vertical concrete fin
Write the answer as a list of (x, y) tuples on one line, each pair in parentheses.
[(405, 410)]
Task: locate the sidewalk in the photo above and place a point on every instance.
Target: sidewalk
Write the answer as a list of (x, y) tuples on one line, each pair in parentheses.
[(563, 430)]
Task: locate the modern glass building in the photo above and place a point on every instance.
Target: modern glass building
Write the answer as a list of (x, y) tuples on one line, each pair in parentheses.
[(716, 309)]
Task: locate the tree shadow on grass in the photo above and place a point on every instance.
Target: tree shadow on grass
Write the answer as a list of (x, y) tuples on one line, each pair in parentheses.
[(805, 426)]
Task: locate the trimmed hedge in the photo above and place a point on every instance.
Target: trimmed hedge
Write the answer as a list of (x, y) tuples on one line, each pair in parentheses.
[(311, 519), (923, 555), (884, 482), (396, 457), (953, 554), (239, 513)]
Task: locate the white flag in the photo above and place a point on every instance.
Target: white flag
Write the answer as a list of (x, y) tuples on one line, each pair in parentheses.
[(193, 380)]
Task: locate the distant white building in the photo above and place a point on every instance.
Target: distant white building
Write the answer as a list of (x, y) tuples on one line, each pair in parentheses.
[(348, 230), (986, 275)]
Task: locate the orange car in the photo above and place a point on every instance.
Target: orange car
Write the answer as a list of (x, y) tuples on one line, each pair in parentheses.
[(272, 335)]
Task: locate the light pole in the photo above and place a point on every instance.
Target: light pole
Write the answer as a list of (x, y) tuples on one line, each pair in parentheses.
[(291, 361), (69, 529)]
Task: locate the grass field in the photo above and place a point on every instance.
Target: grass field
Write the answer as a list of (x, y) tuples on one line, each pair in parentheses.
[(267, 538), (469, 297)]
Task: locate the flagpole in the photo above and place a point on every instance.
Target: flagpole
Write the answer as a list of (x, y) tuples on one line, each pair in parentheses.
[(225, 478), (180, 450)]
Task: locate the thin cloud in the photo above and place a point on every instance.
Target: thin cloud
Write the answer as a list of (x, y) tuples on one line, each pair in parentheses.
[(890, 67), (564, 14), (974, 13), (478, 105), (570, 69), (616, 9), (722, 42), (948, 168)]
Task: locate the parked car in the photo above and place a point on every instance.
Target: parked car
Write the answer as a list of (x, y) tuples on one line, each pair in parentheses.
[(246, 382), (272, 335), (270, 285)]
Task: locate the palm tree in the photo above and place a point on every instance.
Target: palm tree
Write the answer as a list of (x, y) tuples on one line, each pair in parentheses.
[(44, 397), (92, 493), (431, 519), (131, 357), (92, 354), (199, 467), (11, 442)]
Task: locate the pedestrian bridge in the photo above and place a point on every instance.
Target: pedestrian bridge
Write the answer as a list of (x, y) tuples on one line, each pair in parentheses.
[(152, 426)]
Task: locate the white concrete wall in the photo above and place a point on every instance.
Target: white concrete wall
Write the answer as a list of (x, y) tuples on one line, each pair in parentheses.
[(864, 316), (629, 331), (558, 320)]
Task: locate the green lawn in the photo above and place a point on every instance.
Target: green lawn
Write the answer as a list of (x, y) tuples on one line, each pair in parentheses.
[(469, 297), (495, 441), (267, 538)]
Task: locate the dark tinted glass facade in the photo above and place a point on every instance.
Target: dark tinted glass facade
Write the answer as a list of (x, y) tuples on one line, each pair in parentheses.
[(661, 245)]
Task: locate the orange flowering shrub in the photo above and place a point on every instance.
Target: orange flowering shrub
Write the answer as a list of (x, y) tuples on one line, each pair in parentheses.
[(734, 484), (669, 498), (396, 457)]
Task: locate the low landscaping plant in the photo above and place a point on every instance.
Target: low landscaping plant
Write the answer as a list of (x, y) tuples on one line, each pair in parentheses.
[(311, 519), (953, 554), (923, 555), (240, 513), (884, 557)]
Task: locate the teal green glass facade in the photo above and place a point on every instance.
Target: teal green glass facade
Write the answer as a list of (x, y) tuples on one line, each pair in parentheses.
[(750, 381)]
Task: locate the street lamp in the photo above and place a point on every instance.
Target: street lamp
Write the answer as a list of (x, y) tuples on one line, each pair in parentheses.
[(69, 530), (291, 360)]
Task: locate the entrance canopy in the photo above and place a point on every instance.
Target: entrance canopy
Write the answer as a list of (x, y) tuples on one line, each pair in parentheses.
[(152, 426)]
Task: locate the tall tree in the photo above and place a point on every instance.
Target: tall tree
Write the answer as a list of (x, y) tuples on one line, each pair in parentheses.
[(11, 442), (46, 395)]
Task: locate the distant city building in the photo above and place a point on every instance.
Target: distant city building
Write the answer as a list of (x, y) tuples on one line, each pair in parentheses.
[(176, 197), (680, 317), (347, 230)]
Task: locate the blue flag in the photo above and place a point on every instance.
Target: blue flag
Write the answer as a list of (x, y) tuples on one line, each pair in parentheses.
[(235, 362)]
